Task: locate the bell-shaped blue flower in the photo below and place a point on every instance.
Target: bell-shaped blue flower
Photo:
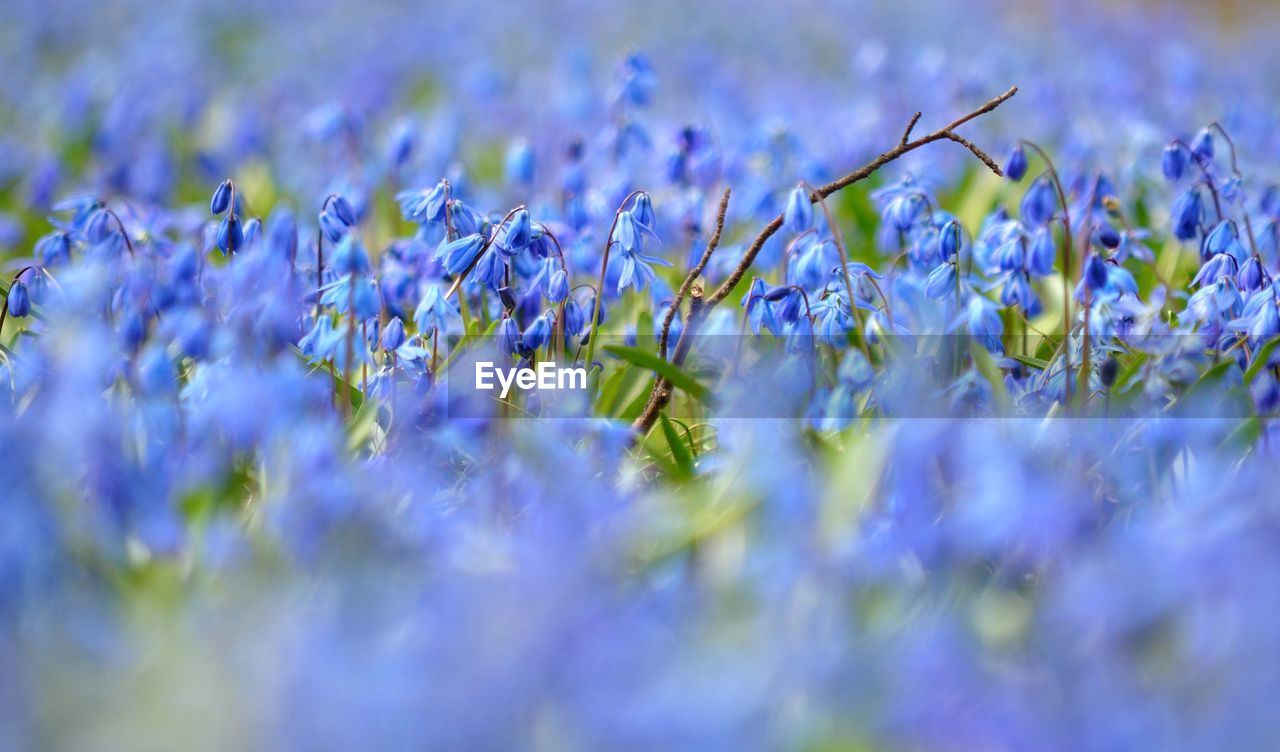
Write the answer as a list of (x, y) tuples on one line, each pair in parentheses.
[(558, 286), (230, 234), (1187, 212), (1202, 146), (798, 216), (517, 233), (19, 302), (1173, 163), (393, 334), (949, 240), (508, 336), (1251, 276), (538, 333), (221, 197), (1040, 202), (1015, 167), (459, 254)]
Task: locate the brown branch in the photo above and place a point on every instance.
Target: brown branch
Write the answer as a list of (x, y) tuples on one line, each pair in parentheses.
[(693, 275), (906, 135), (699, 308)]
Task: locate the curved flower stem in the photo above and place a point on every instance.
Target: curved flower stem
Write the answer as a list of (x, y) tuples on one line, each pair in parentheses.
[(837, 238), (1068, 244), (320, 250), (1206, 177), (4, 308), (1235, 168), (123, 233), (604, 268), (493, 236), (693, 275), (699, 309)]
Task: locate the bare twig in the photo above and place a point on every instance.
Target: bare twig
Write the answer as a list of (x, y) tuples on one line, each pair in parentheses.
[(906, 135), (693, 275), (700, 308)]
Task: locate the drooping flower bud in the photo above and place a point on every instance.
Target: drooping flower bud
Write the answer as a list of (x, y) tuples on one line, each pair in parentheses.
[(949, 240), (1095, 272), (393, 334), (1015, 167), (508, 336), (1186, 213), (342, 208), (558, 286), (1174, 162), (1040, 203), (1107, 236), (332, 226), (19, 300), (230, 234), (798, 216), (1202, 146), (538, 333), (643, 211), (221, 197)]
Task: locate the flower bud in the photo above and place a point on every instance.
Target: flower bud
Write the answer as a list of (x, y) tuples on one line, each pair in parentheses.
[(1015, 167)]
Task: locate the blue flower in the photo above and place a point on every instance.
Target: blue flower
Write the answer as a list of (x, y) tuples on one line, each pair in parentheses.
[(759, 311), (221, 197), (53, 249), (518, 163), (230, 234), (350, 257), (642, 212), (575, 319), (941, 281), (434, 312), (1040, 202), (558, 286), (1015, 167), (332, 226), (1040, 259), (19, 300), (798, 216), (508, 336), (981, 319), (625, 234), (1095, 272), (341, 208), (1219, 266), (424, 206), (459, 254), (393, 334), (1187, 212), (949, 240), (1174, 162), (903, 211), (538, 333), (637, 269), (1202, 146), (516, 234), (1251, 276)]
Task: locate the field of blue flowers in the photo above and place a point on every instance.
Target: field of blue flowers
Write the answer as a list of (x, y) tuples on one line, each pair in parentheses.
[(930, 386)]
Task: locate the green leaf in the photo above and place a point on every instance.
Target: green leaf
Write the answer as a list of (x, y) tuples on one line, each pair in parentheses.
[(362, 426), (1027, 360), (652, 362), (986, 366), (1259, 362), (679, 452)]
